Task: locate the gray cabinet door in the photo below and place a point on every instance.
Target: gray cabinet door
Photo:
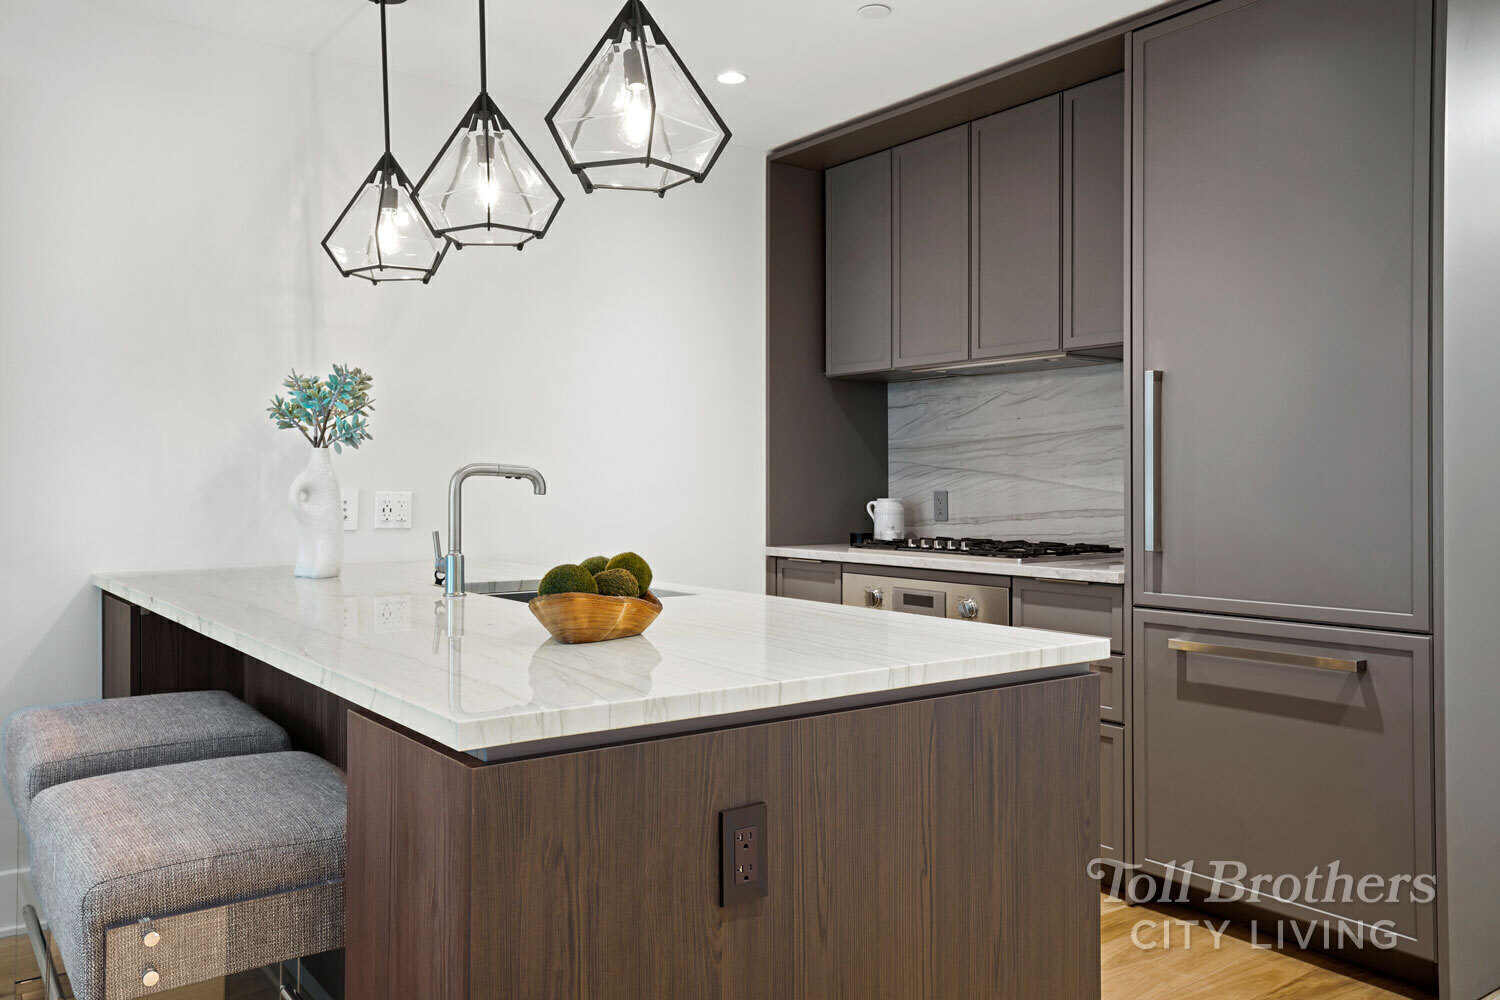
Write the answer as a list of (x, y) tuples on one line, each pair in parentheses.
[(1093, 228), (1016, 169), (1251, 748), (810, 580), (930, 185), (1065, 606), (1112, 793), (857, 248), (1280, 287)]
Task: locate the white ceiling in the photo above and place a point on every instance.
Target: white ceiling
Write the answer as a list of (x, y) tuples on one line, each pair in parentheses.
[(811, 63)]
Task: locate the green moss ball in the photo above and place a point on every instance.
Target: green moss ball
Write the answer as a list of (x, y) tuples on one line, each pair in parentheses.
[(568, 579), (595, 564), (618, 583), (637, 566)]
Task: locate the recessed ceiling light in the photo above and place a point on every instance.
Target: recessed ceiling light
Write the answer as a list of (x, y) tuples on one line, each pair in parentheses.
[(732, 77), (873, 10)]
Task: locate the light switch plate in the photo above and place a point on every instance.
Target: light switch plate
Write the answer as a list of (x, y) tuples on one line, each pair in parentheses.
[(392, 509), (351, 510)]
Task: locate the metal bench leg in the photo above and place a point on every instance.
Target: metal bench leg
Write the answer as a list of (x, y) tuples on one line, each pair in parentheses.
[(43, 956)]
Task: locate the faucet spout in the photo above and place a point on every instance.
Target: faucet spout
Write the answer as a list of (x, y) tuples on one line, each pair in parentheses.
[(453, 583)]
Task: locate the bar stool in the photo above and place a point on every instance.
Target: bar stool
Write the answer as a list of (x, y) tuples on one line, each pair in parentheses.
[(167, 876), (52, 744)]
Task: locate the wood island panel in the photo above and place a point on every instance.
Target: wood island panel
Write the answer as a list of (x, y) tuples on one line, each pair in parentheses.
[(931, 848)]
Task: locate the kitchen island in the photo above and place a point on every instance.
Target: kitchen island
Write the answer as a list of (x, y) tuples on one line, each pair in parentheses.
[(533, 819)]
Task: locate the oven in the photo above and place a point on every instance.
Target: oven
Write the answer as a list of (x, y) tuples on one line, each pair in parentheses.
[(935, 598)]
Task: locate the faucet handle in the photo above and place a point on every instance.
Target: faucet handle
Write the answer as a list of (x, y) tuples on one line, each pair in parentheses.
[(439, 562)]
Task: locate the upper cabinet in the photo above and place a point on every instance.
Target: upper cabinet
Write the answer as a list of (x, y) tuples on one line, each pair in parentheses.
[(999, 239), (1017, 231), (1093, 214), (930, 192), (857, 240)]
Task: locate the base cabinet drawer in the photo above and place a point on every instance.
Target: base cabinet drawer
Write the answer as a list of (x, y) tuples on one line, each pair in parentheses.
[(1111, 671), (1064, 606), (810, 580), (1112, 792), (1280, 750)]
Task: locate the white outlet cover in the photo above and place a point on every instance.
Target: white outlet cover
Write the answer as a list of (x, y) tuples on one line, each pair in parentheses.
[(393, 614), (392, 509), (351, 510)]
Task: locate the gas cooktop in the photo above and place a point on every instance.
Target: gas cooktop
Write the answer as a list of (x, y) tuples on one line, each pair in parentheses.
[(1014, 550)]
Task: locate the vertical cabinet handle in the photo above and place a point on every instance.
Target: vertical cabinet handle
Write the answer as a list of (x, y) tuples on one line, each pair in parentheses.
[(1152, 461)]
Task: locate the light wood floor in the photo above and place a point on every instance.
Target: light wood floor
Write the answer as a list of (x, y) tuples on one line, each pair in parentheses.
[(1233, 971)]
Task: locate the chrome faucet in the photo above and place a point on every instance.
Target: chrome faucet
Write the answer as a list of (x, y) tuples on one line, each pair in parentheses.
[(452, 565)]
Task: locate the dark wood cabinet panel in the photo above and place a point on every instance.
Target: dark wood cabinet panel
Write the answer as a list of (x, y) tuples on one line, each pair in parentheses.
[(174, 658), (1093, 225), (1246, 752), (1280, 287), (314, 719), (1016, 176), (930, 202), (121, 647), (810, 580), (858, 221), (914, 849)]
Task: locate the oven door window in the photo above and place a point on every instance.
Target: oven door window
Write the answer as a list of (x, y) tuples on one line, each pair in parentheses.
[(920, 602)]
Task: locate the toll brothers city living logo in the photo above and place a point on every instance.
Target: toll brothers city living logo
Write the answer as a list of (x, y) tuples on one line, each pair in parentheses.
[(1315, 893)]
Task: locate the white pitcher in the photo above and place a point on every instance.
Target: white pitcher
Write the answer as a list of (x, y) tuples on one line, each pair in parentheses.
[(889, 516)]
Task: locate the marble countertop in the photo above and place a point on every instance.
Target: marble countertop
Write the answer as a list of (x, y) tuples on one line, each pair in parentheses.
[(1080, 570), (482, 672)]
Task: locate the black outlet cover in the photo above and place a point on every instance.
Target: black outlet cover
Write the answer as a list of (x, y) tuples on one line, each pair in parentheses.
[(742, 854)]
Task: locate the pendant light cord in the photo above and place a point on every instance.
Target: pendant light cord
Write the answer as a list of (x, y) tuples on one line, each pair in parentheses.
[(484, 61), (385, 79)]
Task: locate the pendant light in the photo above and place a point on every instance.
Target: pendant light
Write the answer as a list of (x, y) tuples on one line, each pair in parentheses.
[(485, 188), (383, 234), (633, 119)]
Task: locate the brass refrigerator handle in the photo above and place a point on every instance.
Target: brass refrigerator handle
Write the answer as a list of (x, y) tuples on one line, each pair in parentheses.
[(1267, 656)]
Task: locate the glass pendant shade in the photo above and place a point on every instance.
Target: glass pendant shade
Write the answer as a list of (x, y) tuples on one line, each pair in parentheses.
[(633, 118), (485, 188), (383, 234)]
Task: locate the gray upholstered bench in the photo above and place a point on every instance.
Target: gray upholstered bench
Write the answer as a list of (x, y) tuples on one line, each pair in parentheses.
[(58, 743), (167, 876)]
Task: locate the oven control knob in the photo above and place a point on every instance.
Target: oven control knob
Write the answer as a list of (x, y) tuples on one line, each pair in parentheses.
[(968, 608), (874, 597)]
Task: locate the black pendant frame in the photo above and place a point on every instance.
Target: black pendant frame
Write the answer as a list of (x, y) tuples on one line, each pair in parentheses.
[(389, 175), (634, 17), (484, 109)]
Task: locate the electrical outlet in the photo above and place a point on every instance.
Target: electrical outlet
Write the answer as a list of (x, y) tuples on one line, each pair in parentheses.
[(392, 509), (742, 854), (351, 510), (940, 505), (393, 614)]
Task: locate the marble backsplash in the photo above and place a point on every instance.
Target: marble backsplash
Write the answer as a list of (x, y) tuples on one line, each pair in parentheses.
[(1035, 455)]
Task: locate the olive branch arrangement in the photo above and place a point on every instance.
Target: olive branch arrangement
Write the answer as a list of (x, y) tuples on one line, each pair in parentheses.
[(330, 412)]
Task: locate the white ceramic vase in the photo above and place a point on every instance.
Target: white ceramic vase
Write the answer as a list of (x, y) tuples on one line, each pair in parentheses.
[(318, 504)]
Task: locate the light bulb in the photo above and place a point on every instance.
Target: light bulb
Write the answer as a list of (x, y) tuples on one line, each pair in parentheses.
[(634, 100), (487, 185), (635, 122), (393, 219)]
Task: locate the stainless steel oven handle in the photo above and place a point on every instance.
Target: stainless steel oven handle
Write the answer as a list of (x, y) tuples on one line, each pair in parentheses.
[(1151, 458), (1267, 656)]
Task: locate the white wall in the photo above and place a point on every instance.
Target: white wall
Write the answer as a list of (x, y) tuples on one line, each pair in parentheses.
[(162, 193)]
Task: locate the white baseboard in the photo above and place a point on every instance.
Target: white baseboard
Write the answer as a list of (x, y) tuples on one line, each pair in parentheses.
[(10, 918)]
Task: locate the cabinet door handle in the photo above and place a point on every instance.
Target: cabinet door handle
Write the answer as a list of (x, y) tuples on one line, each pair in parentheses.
[(1151, 458), (799, 559), (1267, 656)]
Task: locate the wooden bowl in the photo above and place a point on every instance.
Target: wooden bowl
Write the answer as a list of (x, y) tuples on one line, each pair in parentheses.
[(594, 617)]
